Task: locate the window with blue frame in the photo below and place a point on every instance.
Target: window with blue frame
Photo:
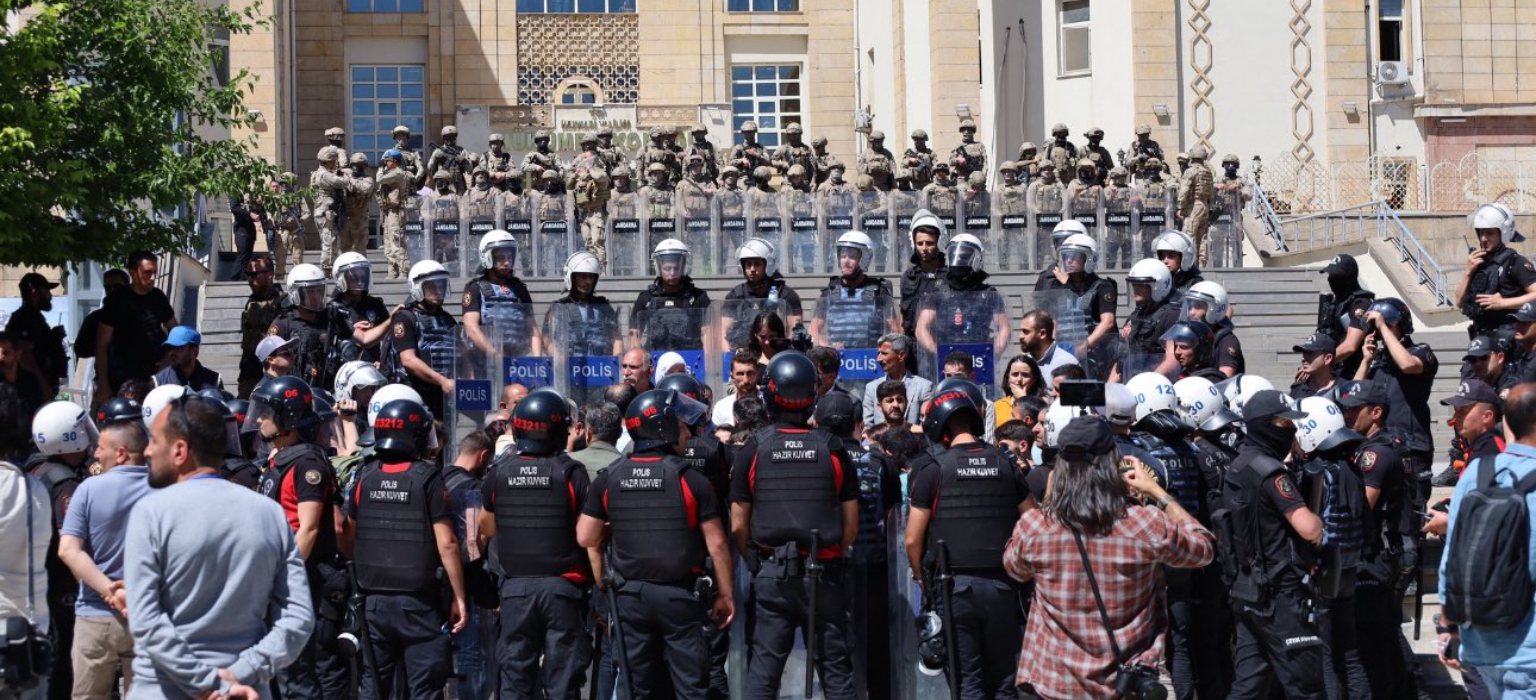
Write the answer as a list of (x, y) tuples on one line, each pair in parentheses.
[(769, 95), (576, 6), (385, 6), (384, 97), (763, 6)]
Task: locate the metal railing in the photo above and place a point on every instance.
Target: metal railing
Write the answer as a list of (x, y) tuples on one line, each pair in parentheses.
[(1354, 225), (1406, 184)]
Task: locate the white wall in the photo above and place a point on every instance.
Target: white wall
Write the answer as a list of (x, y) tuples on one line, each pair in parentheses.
[(1251, 73), (1101, 98), (919, 102), (877, 67), (1005, 66)]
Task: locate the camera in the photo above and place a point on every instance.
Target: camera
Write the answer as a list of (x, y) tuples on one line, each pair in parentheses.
[(25, 656), (1140, 683)]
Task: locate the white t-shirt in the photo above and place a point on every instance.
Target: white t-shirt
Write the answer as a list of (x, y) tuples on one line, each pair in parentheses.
[(14, 500)]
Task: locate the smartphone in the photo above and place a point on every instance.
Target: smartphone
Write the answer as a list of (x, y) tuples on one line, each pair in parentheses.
[(1081, 392)]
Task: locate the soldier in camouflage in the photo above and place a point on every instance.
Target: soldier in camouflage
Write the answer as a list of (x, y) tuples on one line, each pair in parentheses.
[(261, 309), (498, 161), (542, 157), (1060, 152), (657, 196), (671, 138), (290, 227), (798, 179), (481, 196), (1142, 148), (1046, 182), (410, 161), (1028, 163), (452, 157), (823, 159), (337, 138), (701, 147), (878, 163), (1102, 160), (330, 185), (610, 153), (1183, 160), (1232, 184), (395, 186), (917, 161), (748, 155), (659, 154), (940, 196), (730, 179), (765, 200), (1087, 179), (835, 184), (1196, 190), (795, 152), (970, 156), (354, 229), (1010, 197), (695, 190)]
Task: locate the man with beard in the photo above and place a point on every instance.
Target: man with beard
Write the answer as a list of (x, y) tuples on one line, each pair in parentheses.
[(41, 347)]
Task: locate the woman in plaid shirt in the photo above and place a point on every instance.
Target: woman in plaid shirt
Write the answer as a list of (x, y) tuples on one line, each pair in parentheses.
[(1069, 652)]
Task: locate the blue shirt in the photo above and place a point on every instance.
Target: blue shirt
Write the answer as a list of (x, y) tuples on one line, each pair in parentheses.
[(1514, 647), (98, 515)]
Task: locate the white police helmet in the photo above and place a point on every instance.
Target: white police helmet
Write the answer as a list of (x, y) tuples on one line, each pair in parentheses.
[(1176, 241), (758, 249), (1154, 274), (671, 252), (1323, 428), (352, 273), (856, 241), (1066, 229), (1238, 389), (1209, 296), (494, 243), (1493, 215), (388, 393), (1056, 419), (306, 287), (63, 427), (965, 250), (428, 275), (1153, 392), (1080, 245), (1199, 401), (160, 397), (580, 262)]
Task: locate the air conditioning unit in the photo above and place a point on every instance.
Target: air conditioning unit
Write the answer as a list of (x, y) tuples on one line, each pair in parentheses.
[(1392, 72)]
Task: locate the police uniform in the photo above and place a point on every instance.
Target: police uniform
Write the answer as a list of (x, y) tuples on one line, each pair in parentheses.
[(853, 312), (1228, 349), (1183, 280), (795, 480), (299, 474), (367, 308), (1411, 391), (973, 492), (239, 470), (706, 455), (1094, 297), (1505, 273), (773, 293), (671, 319), (312, 341), (1148, 323), (395, 506), (917, 283), (880, 490), (432, 334), (535, 501), (655, 507), (1389, 544), (60, 480), (504, 306), (1337, 495)]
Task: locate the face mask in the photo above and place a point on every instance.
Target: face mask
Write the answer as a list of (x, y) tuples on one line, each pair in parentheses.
[(1341, 285), (1272, 439)]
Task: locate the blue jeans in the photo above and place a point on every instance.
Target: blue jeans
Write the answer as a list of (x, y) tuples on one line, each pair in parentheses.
[(474, 656), (1509, 683)]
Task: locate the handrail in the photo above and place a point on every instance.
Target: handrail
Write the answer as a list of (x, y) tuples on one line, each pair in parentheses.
[(1350, 225)]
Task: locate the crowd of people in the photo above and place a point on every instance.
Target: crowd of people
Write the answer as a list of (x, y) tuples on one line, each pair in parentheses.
[(1119, 498)]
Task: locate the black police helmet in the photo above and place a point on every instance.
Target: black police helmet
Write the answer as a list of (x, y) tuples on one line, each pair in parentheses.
[(239, 407), (216, 394), (1394, 312), (687, 386), (541, 423), (953, 403), (402, 426), (790, 391), (119, 410), (652, 418), (965, 385), (289, 400)]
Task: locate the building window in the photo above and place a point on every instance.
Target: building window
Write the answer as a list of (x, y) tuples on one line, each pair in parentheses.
[(578, 93), (769, 95), (1073, 39), (763, 6), (1389, 23), (385, 6), (384, 97), (573, 6), (218, 49)]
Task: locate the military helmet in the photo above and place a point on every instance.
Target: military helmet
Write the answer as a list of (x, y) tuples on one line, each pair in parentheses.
[(749, 125), (977, 178), (835, 163), (793, 128), (328, 154), (496, 138), (541, 134), (1028, 146), (796, 169), (864, 182), (1118, 171), (541, 422), (621, 171), (1047, 166), (1086, 163), (655, 168), (731, 170), (919, 135), (1153, 163), (1199, 153), (790, 391), (694, 158), (550, 174), (967, 124), (402, 426), (480, 170), (1008, 166), (655, 132), (877, 135), (1095, 132), (698, 129), (819, 142), (1230, 158), (588, 138), (762, 173), (1058, 128), (941, 165), (605, 131), (335, 132), (450, 130), (400, 128), (442, 174), (359, 158), (1143, 130)]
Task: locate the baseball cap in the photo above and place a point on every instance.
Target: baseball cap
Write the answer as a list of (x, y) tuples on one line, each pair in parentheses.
[(1343, 265), (1481, 346), (33, 280), (1269, 404), (1471, 391), (1366, 393), (270, 345), (1317, 342), (1526, 313), (182, 336), (834, 408), (1084, 438)]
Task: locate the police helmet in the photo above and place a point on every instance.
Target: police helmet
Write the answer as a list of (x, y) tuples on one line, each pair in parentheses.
[(352, 272), (119, 410), (925, 219), (953, 403), (790, 392), (653, 417), (62, 427), (541, 423), (402, 427), (1202, 404), (1177, 242), (287, 401), (1056, 419), (671, 255), (857, 244), (687, 386), (1190, 332), (1153, 393), (428, 276), (1119, 404), (1241, 387), (965, 385), (390, 393), (1080, 246), (1323, 429), (758, 249), (1211, 297), (1394, 312), (239, 409), (1493, 215), (306, 287), (160, 397), (965, 250), (1066, 229), (1155, 275), (580, 262)]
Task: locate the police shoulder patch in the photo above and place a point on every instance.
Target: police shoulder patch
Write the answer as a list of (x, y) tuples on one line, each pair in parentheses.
[(399, 330), (1359, 310), (1368, 461), (272, 329), (312, 477), (467, 298), (1286, 489)]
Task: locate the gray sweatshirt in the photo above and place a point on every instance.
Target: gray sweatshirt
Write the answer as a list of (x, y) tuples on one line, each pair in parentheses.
[(214, 581)]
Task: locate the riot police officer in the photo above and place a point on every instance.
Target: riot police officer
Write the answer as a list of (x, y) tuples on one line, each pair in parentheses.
[(237, 466), (497, 307), (794, 513), (1215, 437), (299, 478), (1207, 302), (1176, 250), (404, 537), (662, 520), (532, 497), (598, 320), (423, 338), (65, 438), (1498, 280), (973, 311), (307, 324), (963, 511), (762, 284), (1341, 311), (1265, 538), (1408, 370), (359, 319), (928, 269), (1098, 296), (1192, 346), (672, 289), (1154, 313), (851, 283)]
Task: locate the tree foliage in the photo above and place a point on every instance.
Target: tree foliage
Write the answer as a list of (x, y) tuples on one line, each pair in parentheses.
[(101, 105)]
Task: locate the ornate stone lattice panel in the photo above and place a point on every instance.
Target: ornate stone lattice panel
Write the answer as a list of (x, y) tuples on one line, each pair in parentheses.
[(601, 48), (1301, 87), (1202, 113)]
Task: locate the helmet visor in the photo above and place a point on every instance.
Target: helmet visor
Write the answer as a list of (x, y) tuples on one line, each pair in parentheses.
[(965, 254), (1195, 308), (310, 296), (1074, 260), (435, 288), (357, 278), (689, 410), (259, 412), (851, 252), (501, 254), (671, 266)]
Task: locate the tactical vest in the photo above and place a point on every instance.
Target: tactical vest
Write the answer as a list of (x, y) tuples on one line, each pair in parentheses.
[(1489, 279), (500, 305), (672, 322), (1076, 322), (1214, 456), (1182, 465), (744, 304), (1337, 495), (435, 340), (964, 317), (655, 536), (590, 327), (396, 550), (795, 488), (1144, 338), (281, 463), (55, 476), (535, 515), (311, 341), (1338, 320), (1222, 331), (705, 457), (1392, 521), (852, 316), (239, 470), (1246, 566), (976, 509), (869, 547)]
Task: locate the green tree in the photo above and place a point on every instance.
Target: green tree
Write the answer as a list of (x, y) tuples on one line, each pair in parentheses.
[(100, 105)]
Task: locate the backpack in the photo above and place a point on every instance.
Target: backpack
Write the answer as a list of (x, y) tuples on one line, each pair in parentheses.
[(1487, 572)]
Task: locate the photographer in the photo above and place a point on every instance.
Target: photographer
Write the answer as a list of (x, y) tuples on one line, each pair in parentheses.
[(1088, 516), (25, 514)]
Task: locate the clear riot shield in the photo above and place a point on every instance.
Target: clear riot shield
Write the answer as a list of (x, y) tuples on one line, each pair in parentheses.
[(1118, 249), (974, 323), (1226, 243), (907, 607), (660, 216), (516, 339), (480, 219), (874, 219), (944, 203), (417, 244), (902, 205), (626, 249), (679, 329), (766, 218), (1047, 205), (1073, 325), (584, 343), (731, 217), (733, 320), (801, 249), (476, 387), (853, 326), (1084, 207), (517, 219), (695, 209), (976, 219), (1130, 360), (1151, 215), (837, 210), (1011, 231), (444, 225), (552, 244)]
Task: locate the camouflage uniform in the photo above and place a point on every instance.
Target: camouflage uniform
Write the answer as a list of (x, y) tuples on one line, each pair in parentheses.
[(835, 184), (394, 187), (824, 160), (657, 196), (940, 196), (330, 188), (795, 152), (695, 188), (354, 229), (970, 156), (659, 153), (705, 150), (1061, 153), (410, 161), (1102, 160), (589, 186), (610, 153), (542, 157), (1142, 148), (878, 163), (498, 163), (1195, 192), (749, 154), (337, 138), (290, 231), (917, 160), (254, 322), (450, 157)]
